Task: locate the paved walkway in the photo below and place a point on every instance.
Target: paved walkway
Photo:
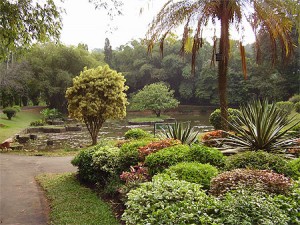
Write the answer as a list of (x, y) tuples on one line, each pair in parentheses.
[(21, 199)]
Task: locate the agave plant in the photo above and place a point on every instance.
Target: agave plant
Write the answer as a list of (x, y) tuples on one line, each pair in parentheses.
[(260, 126), (178, 131)]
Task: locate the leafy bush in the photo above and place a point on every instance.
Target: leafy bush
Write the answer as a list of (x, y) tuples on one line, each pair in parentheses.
[(106, 163), (37, 123), (165, 201), (84, 161), (10, 112), (294, 99), (258, 160), (204, 154), (51, 114), (17, 108), (260, 126), (129, 154), (262, 180), (178, 131), (297, 107), (250, 207), (136, 133), (156, 146), (164, 158), (285, 106), (215, 117), (294, 166), (194, 172)]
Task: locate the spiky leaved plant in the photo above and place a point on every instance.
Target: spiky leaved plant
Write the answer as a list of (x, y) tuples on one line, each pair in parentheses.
[(260, 126), (178, 131)]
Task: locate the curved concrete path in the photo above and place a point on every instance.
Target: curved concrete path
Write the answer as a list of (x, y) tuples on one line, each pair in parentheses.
[(21, 199)]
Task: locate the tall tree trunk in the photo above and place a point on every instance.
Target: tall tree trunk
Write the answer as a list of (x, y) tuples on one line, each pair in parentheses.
[(223, 64)]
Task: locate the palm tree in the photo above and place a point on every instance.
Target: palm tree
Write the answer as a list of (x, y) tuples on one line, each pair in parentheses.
[(272, 16)]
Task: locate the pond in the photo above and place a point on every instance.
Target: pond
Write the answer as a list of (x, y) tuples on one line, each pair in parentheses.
[(197, 116)]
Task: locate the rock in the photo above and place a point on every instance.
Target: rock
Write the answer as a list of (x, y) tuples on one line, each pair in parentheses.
[(23, 139)]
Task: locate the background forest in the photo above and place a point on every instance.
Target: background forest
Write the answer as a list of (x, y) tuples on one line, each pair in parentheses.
[(43, 73)]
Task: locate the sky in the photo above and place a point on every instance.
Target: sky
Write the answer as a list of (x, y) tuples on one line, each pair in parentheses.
[(82, 23)]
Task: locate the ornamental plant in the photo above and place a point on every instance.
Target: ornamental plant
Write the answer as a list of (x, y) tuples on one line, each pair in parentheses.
[(9, 112), (97, 95), (136, 133)]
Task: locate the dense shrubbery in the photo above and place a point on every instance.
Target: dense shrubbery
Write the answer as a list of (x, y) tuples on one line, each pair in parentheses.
[(250, 207), (262, 180), (38, 123), (166, 201), (259, 160), (294, 166), (215, 117), (194, 172), (287, 106), (136, 133), (295, 98), (297, 107)]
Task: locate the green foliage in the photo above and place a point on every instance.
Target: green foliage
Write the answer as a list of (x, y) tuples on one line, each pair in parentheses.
[(129, 154), (215, 117), (178, 131), (247, 207), (295, 98), (287, 106), (194, 172), (263, 180), (156, 97), (106, 163), (17, 108), (204, 154), (297, 107), (84, 161), (22, 25), (37, 123), (258, 160), (10, 112), (51, 114), (136, 133), (260, 126), (294, 165), (158, 161), (97, 95), (165, 201)]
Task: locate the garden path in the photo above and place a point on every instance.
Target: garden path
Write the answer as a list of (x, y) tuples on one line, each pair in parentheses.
[(21, 199)]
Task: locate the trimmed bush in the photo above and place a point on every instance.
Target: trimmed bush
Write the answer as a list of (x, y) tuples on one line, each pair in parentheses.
[(294, 166), (165, 201), (262, 180), (194, 172), (166, 157), (249, 207), (297, 107), (295, 98), (106, 163), (258, 160), (136, 133), (9, 112), (129, 154), (84, 161), (285, 106), (215, 117), (204, 154)]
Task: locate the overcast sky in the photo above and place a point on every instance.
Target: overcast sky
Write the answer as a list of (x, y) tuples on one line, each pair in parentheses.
[(82, 23)]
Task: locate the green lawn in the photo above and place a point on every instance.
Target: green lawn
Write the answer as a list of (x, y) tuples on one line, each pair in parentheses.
[(18, 123), (72, 203)]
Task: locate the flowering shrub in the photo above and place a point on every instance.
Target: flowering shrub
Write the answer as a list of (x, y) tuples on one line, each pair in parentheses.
[(156, 146), (263, 180)]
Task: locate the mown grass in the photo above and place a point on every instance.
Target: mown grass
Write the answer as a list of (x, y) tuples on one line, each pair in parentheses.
[(18, 123), (50, 153), (72, 203)]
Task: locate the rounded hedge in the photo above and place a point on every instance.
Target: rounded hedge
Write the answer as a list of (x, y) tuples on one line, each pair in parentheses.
[(166, 201), (10, 112), (136, 133), (258, 160), (194, 172), (215, 117)]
